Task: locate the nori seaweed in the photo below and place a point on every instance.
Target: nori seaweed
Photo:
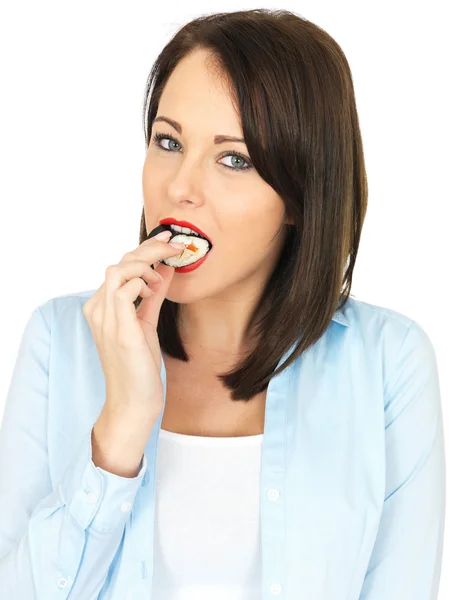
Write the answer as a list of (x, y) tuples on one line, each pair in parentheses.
[(157, 230)]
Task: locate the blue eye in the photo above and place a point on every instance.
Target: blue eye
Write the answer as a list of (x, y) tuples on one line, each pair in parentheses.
[(158, 137)]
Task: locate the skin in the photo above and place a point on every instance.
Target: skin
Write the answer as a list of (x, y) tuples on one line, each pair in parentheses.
[(237, 209)]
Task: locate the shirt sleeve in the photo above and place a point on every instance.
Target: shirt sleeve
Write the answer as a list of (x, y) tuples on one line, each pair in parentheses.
[(407, 556), (54, 539)]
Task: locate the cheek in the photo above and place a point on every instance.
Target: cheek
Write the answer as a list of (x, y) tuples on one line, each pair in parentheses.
[(238, 255), (151, 171), (152, 187), (251, 245)]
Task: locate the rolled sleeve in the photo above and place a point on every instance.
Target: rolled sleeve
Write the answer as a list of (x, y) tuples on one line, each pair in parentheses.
[(97, 498)]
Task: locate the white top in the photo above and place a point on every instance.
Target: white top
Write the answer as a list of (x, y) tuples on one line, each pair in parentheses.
[(207, 518)]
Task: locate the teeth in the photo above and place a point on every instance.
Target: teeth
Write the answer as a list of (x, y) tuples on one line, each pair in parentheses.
[(184, 230)]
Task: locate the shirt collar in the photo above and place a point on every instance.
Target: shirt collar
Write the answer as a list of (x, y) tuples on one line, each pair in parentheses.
[(340, 316)]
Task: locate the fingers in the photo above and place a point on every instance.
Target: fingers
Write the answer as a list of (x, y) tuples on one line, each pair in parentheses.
[(133, 265)]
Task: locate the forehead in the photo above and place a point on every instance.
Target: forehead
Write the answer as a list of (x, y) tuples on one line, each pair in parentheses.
[(197, 93)]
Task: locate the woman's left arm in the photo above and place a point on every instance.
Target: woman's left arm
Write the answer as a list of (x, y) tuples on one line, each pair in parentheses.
[(407, 556)]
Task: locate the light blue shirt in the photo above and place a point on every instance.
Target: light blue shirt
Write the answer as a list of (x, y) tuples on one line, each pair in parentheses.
[(352, 491)]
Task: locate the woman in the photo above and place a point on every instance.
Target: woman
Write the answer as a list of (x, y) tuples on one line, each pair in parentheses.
[(247, 429)]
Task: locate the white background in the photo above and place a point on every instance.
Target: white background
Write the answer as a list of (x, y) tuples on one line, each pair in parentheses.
[(72, 149)]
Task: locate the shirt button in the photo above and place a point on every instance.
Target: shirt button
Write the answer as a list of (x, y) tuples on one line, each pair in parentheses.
[(62, 582), (125, 507), (275, 588), (273, 494), (91, 497)]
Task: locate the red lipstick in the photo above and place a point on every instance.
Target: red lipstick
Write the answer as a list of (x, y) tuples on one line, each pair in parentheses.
[(172, 221)]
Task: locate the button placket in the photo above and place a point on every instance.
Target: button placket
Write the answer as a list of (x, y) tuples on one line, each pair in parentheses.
[(273, 494), (62, 583), (126, 506), (276, 588)]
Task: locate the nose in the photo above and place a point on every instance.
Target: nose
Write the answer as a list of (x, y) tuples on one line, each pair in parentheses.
[(187, 183)]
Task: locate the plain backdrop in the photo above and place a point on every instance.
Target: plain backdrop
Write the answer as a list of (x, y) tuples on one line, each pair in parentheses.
[(72, 149)]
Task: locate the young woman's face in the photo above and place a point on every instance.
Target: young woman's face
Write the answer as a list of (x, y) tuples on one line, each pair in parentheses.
[(192, 178)]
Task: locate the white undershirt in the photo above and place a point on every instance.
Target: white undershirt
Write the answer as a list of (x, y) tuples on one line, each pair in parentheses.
[(207, 518)]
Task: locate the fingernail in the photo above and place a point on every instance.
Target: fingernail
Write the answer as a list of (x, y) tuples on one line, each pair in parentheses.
[(176, 245), (164, 235)]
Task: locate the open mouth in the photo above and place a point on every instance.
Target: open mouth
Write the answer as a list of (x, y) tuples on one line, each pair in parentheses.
[(196, 246)]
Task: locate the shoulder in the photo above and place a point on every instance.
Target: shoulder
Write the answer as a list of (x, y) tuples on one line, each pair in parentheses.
[(365, 319), (62, 321), (396, 338), (59, 310)]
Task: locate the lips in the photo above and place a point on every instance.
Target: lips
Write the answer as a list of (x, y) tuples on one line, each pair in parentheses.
[(171, 221)]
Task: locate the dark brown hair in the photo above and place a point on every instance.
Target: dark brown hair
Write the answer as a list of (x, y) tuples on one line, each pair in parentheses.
[(292, 86)]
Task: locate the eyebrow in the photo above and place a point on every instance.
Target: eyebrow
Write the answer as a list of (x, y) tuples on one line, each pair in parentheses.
[(218, 139)]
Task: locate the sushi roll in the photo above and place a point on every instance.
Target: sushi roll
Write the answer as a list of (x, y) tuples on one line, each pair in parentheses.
[(196, 247)]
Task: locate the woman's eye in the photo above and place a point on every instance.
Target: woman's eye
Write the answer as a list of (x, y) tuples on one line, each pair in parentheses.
[(158, 139), (237, 160)]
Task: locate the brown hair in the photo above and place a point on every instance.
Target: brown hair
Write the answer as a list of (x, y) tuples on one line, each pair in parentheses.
[(293, 88)]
